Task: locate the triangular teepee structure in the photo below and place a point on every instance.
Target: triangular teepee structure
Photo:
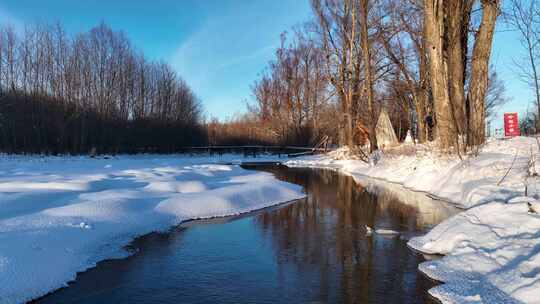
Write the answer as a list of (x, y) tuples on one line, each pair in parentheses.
[(384, 131)]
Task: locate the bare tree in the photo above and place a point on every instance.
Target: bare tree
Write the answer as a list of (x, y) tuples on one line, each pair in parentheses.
[(368, 74), (524, 16), (434, 34), (411, 57), (401, 36), (447, 22), (478, 83), (339, 38), (495, 95), (292, 93), (458, 16)]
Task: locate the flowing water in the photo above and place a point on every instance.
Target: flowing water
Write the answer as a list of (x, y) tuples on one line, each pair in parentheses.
[(315, 250)]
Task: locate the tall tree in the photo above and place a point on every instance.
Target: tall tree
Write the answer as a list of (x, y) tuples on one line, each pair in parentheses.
[(339, 37), (434, 23), (478, 84), (457, 14), (447, 22), (402, 36), (368, 74)]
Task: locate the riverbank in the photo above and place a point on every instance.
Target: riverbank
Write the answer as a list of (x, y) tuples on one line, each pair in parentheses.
[(62, 215), (313, 250), (492, 248)]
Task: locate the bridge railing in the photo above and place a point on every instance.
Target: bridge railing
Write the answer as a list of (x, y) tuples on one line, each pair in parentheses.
[(255, 150)]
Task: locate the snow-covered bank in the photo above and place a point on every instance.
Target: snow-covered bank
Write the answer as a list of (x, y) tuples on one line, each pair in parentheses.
[(492, 255), (60, 216), (492, 249), (466, 183)]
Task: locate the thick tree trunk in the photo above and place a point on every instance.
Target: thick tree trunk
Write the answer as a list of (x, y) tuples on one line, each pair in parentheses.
[(434, 29), (479, 71), (455, 18), (368, 73)]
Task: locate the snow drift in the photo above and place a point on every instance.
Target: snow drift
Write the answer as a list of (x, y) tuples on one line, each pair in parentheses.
[(62, 216), (492, 255)]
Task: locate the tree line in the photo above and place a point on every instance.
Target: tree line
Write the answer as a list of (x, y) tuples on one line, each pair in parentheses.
[(425, 62), (92, 91)]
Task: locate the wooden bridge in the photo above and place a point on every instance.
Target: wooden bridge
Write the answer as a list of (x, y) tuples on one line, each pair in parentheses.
[(255, 150)]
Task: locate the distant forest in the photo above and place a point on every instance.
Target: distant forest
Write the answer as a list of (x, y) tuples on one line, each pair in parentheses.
[(93, 91)]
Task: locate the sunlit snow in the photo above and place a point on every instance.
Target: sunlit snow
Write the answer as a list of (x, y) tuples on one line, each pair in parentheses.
[(492, 248), (60, 216)]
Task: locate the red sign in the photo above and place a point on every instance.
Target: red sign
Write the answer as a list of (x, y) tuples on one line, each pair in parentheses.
[(511, 127)]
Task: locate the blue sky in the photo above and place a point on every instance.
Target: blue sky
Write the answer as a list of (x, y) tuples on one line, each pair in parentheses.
[(218, 46)]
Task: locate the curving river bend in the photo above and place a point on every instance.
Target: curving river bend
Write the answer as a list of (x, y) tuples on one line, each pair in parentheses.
[(315, 250)]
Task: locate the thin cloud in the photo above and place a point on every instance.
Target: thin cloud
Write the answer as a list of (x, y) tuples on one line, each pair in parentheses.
[(223, 56), (8, 19), (254, 55)]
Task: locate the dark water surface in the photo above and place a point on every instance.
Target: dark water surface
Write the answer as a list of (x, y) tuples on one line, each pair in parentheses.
[(315, 250)]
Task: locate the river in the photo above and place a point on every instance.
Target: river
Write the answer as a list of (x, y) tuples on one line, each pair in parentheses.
[(314, 250)]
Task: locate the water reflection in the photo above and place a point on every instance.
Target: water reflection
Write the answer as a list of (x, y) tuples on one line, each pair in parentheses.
[(325, 235), (315, 250)]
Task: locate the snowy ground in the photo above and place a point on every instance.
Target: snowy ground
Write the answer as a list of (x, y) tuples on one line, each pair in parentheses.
[(492, 248), (60, 216)]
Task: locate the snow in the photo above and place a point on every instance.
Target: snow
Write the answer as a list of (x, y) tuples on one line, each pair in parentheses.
[(466, 183), (491, 249), (62, 215), (386, 231)]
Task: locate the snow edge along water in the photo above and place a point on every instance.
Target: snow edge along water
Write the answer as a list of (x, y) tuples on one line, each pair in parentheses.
[(100, 206), (491, 249)]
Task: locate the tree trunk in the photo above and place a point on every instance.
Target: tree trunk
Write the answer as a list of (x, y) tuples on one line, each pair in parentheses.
[(423, 87), (368, 74), (352, 38), (422, 96), (434, 28), (479, 71), (456, 17)]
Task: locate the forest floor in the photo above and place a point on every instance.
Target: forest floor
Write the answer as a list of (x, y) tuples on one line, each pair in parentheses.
[(62, 215), (491, 249)]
